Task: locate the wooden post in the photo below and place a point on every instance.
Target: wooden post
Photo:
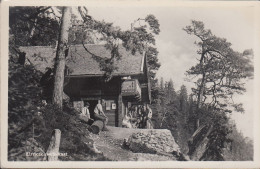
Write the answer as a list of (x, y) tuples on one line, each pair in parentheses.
[(53, 150)]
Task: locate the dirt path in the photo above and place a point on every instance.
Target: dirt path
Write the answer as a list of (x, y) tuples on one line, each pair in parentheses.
[(110, 143)]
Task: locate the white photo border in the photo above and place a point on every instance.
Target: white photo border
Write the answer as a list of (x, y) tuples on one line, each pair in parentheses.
[(151, 164)]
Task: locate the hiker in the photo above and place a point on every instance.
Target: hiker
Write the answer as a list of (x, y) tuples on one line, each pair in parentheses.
[(133, 116), (143, 110), (85, 110), (100, 115), (127, 121), (149, 124), (139, 116), (85, 115)]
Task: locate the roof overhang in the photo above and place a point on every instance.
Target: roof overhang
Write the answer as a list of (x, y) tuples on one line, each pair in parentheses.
[(100, 75)]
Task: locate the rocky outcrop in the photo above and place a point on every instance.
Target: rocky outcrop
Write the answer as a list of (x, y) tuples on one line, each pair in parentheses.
[(153, 141), (198, 142)]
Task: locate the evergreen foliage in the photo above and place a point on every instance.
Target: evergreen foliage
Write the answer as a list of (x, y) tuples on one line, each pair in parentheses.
[(33, 26), (176, 111), (220, 74), (170, 112)]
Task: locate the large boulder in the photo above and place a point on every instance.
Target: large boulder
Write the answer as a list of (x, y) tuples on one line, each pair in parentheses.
[(198, 143), (153, 141)]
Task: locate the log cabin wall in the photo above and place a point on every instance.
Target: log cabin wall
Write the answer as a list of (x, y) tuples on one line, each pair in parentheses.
[(91, 89)]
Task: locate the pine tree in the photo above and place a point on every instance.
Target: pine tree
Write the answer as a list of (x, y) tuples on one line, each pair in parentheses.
[(219, 74), (183, 105), (220, 70), (161, 84)]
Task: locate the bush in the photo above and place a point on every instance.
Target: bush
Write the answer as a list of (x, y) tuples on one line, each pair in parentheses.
[(24, 101)]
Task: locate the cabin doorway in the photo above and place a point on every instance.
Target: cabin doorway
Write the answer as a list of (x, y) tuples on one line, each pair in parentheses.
[(92, 106)]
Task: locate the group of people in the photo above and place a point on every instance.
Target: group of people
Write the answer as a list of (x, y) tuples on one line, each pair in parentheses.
[(138, 116), (98, 114)]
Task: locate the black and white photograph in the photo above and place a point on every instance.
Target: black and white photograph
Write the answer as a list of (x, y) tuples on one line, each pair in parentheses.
[(106, 82)]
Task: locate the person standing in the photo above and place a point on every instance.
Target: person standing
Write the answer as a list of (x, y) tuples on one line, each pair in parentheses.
[(139, 116), (100, 115), (149, 124), (144, 115)]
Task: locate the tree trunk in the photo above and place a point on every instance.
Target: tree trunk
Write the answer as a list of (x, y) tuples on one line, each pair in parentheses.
[(197, 123), (33, 28), (200, 94), (53, 150), (60, 57), (97, 126)]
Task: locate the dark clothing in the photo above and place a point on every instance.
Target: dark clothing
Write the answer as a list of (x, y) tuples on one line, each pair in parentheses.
[(102, 118)]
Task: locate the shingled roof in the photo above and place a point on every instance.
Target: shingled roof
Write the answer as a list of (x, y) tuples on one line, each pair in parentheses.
[(81, 62)]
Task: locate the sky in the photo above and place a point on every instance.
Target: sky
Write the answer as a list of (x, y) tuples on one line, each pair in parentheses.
[(177, 51)]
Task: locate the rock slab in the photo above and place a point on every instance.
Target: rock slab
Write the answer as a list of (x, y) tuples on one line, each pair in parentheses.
[(153, 141)]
